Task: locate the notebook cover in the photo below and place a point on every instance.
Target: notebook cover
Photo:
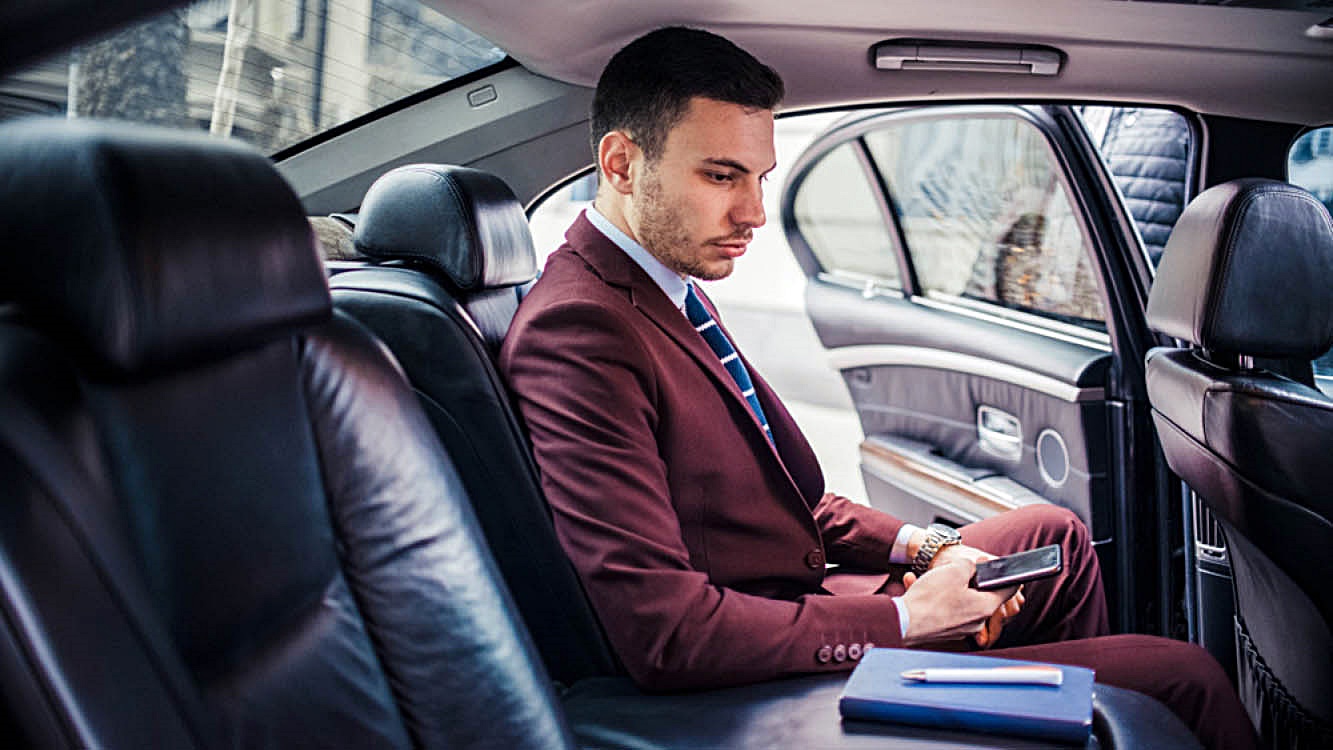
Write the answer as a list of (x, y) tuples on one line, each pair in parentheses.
[(876, 691)]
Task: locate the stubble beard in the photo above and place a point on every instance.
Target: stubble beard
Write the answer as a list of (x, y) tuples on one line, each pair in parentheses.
[(662, 232)]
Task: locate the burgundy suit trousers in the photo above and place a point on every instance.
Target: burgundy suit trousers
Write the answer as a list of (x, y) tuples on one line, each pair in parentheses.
[(1064, 621)]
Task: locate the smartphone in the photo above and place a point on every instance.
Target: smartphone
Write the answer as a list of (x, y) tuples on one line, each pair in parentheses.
[(1014, 569)]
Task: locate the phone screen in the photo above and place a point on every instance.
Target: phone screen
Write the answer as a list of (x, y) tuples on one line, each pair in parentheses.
[(1019, 567)]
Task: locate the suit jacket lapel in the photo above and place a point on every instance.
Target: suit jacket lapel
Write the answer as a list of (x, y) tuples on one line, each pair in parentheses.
[(617, 268)]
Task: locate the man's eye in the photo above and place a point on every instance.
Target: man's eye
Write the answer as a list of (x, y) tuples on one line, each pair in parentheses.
[(717, 176)]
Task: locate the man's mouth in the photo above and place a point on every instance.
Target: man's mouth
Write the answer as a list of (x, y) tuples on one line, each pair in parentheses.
[(734, 246)]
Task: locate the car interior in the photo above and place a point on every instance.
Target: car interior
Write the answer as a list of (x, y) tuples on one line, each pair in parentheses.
[(264, 486)]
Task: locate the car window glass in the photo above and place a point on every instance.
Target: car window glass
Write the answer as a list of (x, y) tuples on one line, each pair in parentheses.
[(1148, 153), (986, 216), (270, 73), (838, 216), (553, 213), (1310, 165)]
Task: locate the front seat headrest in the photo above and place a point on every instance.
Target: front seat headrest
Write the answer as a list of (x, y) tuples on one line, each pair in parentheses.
[(1248, 270), (150, 246), (463, 222)]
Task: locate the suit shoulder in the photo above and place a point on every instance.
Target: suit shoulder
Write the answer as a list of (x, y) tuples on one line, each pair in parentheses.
[(569, 283), (570, 304)]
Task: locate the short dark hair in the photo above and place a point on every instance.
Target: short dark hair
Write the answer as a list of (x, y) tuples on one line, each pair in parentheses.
[(647, 86)]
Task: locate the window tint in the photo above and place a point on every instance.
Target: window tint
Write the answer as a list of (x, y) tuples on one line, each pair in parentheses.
[(839, 218), (986, 216), (1147, 153), (1310, 165), (271, 73)]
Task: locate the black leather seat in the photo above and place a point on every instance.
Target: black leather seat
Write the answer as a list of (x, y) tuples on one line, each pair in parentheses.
[(450, 248), (1246, 282), (458, 238), (224, 520)]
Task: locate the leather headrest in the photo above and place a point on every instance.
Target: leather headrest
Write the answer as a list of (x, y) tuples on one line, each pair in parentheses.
[(463, 222), (1247, 270), (150, 246)]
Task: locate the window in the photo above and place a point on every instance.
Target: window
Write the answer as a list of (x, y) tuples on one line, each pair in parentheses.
[(986, 216), (271, 73), (838, 216), (1310, 165), (552, 216), (1149, 154)]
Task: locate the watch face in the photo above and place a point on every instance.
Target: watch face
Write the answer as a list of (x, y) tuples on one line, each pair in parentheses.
[(946, 533)]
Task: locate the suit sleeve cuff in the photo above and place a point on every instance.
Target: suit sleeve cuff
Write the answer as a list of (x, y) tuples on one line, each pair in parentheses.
[(903, 616), (898, 554)]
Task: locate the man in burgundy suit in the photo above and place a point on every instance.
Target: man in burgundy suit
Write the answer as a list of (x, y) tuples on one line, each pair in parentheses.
[(683, 491)]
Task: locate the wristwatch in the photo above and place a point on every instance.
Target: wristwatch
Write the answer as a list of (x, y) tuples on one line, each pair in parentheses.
[(938, 536)]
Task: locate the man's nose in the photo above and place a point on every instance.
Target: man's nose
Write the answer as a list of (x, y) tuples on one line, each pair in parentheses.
[(748, 209)]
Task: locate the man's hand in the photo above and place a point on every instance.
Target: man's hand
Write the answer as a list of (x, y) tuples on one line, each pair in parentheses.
[(990, 631), (942, 606)]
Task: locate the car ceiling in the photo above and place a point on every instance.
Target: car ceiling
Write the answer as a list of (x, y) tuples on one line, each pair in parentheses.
[(1232, 60), (1242, 59), (1238, 58)]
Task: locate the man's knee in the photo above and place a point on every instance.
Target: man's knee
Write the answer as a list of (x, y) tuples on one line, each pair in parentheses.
[(1052, 524), (1183, 674)]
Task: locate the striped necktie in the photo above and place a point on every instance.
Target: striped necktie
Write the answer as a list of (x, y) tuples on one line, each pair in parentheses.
[(717, 341)]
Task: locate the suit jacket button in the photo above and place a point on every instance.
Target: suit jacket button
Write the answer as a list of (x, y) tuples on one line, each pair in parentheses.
[(840, 653), (824, 655), (854, 651), (814, 559)]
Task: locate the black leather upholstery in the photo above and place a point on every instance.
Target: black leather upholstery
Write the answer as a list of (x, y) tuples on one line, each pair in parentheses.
[(465, 222), (803, 713), (465, 225), (243, 533), (135, 294), (1247, 273), (434, 325), (1232, 275)]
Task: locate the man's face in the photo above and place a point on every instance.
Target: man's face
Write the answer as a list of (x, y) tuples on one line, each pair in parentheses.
[(696, 206)]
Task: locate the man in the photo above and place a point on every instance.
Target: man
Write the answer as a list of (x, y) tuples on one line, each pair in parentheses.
[(683, 492)]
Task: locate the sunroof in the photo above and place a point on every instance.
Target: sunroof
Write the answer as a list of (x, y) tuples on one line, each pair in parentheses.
[(273, 73)]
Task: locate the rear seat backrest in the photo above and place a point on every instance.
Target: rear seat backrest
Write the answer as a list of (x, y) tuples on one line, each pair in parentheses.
[(224, 519), (453, 248)]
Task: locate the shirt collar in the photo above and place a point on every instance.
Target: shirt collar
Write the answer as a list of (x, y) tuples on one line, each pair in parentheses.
[(668, 280)]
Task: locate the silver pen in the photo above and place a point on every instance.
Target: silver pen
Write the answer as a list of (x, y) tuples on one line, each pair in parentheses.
[(988, 676)]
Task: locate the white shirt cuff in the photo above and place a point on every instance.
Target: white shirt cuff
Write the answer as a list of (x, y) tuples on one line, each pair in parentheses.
[(898, 554), (903, 616)]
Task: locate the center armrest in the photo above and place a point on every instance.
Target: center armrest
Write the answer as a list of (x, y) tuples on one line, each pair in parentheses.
[(803, 713)]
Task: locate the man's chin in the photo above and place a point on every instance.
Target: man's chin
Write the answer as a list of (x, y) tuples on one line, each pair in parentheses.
[(714, 271)]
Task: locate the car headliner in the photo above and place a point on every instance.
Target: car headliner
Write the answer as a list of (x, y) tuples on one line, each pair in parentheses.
[(1258, 59), (1249, 62)]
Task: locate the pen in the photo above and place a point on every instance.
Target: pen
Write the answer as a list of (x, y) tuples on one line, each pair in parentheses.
[(989, 676)]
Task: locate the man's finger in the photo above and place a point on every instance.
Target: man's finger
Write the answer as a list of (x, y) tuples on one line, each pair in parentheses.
[(990, 630)]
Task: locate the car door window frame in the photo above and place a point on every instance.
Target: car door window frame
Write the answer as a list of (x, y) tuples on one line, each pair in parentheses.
[(854, 132), (806, 256)]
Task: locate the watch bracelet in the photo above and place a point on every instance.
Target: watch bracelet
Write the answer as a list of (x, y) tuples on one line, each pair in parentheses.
[(937, 538)]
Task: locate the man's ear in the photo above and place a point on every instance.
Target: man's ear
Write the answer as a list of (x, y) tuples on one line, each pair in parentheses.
[(616, 154)]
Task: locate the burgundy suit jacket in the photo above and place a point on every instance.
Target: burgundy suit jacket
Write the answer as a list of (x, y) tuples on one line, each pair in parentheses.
[(701, 546)]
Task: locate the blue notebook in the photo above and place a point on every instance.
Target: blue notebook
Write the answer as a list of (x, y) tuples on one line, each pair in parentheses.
[(877, 691)]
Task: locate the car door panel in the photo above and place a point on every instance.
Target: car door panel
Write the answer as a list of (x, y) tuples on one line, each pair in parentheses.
[(977, 363), (913, 385)]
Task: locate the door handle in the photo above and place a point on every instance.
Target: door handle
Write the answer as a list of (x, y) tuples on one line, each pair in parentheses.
[(999, 433)]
